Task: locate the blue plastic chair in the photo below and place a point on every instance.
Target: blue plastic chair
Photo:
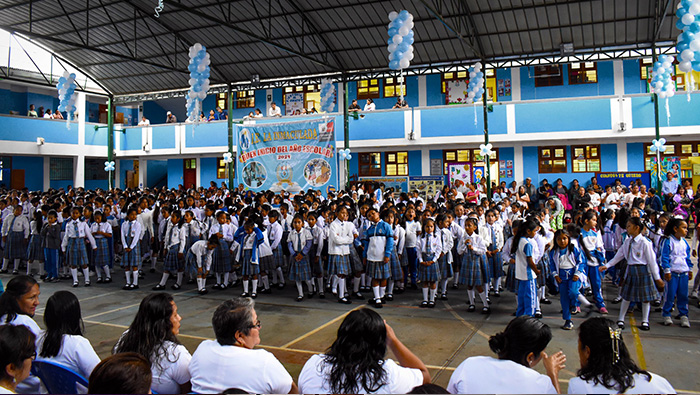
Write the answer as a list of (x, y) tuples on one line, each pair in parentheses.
[(59, 379)]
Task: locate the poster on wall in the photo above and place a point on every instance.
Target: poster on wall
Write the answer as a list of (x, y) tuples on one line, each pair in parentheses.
[(501, 164), (671, 164), (294, 102), (456, 92), (478, 173), (626, 177), (400, 184), (290, 156), (436, 167), (426, 185), (459, 174)]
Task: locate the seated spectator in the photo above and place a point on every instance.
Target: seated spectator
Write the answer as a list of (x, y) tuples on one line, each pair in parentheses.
[(202, 118), (170, 118), (221, 115), (57, 114), (212, 116), (274, 111), (250, 115), (40, 112), (400, 103), (354, 107), (653, 201), (153, 334), (47, 114), (258, 113), (237, 329), (144, 121), (19, 302), (313, 110), (63, 341), (17, 351), (606, 364), (125, 373), (32, 112), (355, 364), (520, 347), (370, 105)]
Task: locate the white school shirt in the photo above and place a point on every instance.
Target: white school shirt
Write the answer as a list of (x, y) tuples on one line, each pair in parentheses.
[(486, 375), (33, 229), (76, 353), (489, 230), (101, 227), (457, 231), (146, 220), (23, 319), (478, 244), (202, 254), (265, 249), (192, 228), (299, 238), (447, 243), (657, 385), (637, 251), (136, 233), (215, 368), (275, 234), (435, 242), (340, 237), (314, 378), (317, 233), (523, 271), (175, 235), (400, 234), (225, 229), (168, 376), (412, 230), (83, 231), (21, 225)]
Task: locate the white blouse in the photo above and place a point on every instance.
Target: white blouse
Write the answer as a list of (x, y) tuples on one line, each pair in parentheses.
[(487, 375), (76, 353)]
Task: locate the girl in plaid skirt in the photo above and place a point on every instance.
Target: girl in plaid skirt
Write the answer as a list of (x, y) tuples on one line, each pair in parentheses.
[(249, 238), (395, 262), (199, 257), (474, 272), (642, 276), (493, 255), (431, 249), (315, 253), (221, 260), (34, 250), (174, 242), (15, 232), (74, 246), (102, 232), (445, 261), (275, 235), (340, 245), (378, 241), (131, 237), (300, 242)]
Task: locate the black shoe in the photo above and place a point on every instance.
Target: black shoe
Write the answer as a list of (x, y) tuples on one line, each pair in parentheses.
[(656, 303), (621, 325), (378, 304), (443, 297), (358, 295), (498, 294), (153, 270), (127, 287), (75, 284), (545, 301), (311, 294), (266, 291), (134, 286), (175, 286), (87, 283), (344, 301), (108, 280), (15, 272), (321, 295), (300, 298), (253, 295), (471, 308), (538, 314), (158, 287), (399, 291), (280, 286), (486, 310), (3, 271), (245, 295), (203, 291), (190, 281), (389, 297), (644, 326), (423, 304), (100, 280), (431, 304), (455, 286)]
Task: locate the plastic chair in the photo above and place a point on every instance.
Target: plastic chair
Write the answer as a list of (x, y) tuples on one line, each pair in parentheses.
[(59, 379)]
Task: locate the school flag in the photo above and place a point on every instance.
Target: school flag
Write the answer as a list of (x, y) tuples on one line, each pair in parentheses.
[(290, 156)]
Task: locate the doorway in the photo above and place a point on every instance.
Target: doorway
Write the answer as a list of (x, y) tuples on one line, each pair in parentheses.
[(189, 173)]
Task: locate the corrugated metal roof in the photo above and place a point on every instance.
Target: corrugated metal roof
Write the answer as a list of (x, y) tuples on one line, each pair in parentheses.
[(125, 47)]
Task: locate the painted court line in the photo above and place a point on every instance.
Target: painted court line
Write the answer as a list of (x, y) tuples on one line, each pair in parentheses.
[(465, 322), (320, 328), (126, 307), (638, 343)]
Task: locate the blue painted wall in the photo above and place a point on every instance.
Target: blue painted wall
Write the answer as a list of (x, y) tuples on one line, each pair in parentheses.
[(13, 101), (156, 174), (375, 125), (131, 115), (28, 129), (175, 167), (95, 137), (124, 166), (459, 121), (579, 115), (433, 88), (92, 113), (163, 136), (635, 156), (33, 167), (130, 139), (94, 184), (207, 171), (414, 163), (56, 184), (155, 113), (683, 112), (604, 86), (633, 78)]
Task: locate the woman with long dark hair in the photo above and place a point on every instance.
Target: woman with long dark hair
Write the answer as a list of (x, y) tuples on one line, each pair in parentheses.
[(153, 334), (606, 364), (19, 302), (17, 351), (520, 347), (355, 362), (63, 341)]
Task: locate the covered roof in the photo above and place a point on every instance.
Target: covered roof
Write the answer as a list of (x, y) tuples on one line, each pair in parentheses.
[(127, 49)]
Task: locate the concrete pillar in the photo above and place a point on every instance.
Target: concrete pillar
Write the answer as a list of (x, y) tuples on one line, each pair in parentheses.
[(143, 164), (47, 173), (515, 83)]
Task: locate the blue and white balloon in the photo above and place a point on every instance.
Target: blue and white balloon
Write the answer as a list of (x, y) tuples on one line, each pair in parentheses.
[(486, 149), (199, 80), (688, 45), (662, 77), (344, 154), (327, 95), (66, 94), (109, 165), (475, 89), (658, 145), (228, 157), (401, 39)]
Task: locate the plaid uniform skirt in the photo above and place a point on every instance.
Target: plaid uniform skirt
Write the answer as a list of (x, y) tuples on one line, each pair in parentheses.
[(496, 265), (639, 285), (446, 270), (474, 271), (221, 259), (456, 259), (429, 273), (543, 265), (378, 270), (278, 259), (248, 268), (339, 265), (404, 258), (396, 272), (76, 253), (131, 258), (34, 250), (299, 271), (316, 264), (511, 281), (356, 260), (15, 248), (172, 263), (101, 256), (146, 241), (267, 264)]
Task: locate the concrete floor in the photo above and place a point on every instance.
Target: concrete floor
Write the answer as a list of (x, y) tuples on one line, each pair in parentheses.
[(442, 337)]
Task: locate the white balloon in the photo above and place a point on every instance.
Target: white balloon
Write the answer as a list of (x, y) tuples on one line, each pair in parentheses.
[(471, 94), (688, 54), (410, 23), (688, 19), (393, 15), (201, 67), (671, 93), (197, 47), (694, 9), (660, 71), (397, 39), (404, 63), (404, 30), (392, 47), (659, 85), (477, 67), (667, 65), (685, 66), (410, 55), (695, 45), (472, 74), (192, 53)]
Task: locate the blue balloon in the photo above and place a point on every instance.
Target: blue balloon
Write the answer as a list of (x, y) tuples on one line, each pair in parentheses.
[(403, 47), (390, 41), (62, 80), (687, 36), (409, 40), (479, 74), (192, 68), (680, 12), (680, 25), (72, 75), (682, 46), (393, 31), (694, 27), (398, 54), (394, 65), (410, 34), (403, 14), (686, 4)]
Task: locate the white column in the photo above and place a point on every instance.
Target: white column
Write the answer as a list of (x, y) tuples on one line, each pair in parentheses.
[(198, 172), (621, 156), (407, 123), (510, 119), (422, 91), (47, 173), (79, 166), (143, 164), (425, 161), (518, 174), (619, 77), (340, 96), (416, 125), (515, 83)]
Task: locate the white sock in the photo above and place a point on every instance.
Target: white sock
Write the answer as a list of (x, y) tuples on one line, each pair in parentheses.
[(234, 277), (364, 280), (470, 293), (375, 291), (29, 268), (542, 292), (537, 302), (16, 264), (455, 279), (382, 292), (245, 286), (335, 282), (482, 295), (310, 285), (5, 263), (280, 275), (226, 275), (204, 282), (582, 299), (200, 286), (86, 274), (300, 289), (266, 282), (498, 284), (74, 273), (341, 287), (356, 284), (390, 287), (443, 285), (128, 276), (254, 286), (274, 276), (432, 293), (320, 285), (164, 279), (623, 310), (180, 275), (218, 278), (136, 277), (646, 308), (106, 270), (425, 294)]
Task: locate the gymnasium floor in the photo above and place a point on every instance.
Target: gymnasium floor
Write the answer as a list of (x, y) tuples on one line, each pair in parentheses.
[(442, 337)]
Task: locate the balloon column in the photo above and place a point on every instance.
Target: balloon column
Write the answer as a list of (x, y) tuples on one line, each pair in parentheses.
[(476, 83), (662, 77), (400, 40), (67, 95), (199, 80), (658, 147), (688, 46), (327, 95)]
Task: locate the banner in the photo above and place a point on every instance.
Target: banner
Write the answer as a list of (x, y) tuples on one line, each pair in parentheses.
[(292, 157), (426, 185), (625, 177)]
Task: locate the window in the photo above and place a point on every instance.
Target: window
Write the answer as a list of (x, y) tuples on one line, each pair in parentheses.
[(95, 169), (392, 87), (454, 75), (397, 163), (583, 73), (552, 159), (585, 158), (549, 75), (371, 164), (645, 66), (305, 89), (245, 99), (472, 156), (61, 169), (221, 169), (368, 89), (222, 101), (190, 164)]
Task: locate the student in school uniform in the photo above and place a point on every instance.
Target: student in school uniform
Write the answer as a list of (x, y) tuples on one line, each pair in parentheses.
[(102, 232), (131, 238), (340, 241), (199, 257), (73, 246), (494, 232), (430, 250), (51, 244), (275, 235), (378, 244), (474, 272), (249, 237), (526, 270), (677, 268), (396, 254), (34, 251), (413, 230), (591, 244), (300, 242), (221, 261), (174, 244), (15, 234), (267, 262), (316, 249), (566, 264)]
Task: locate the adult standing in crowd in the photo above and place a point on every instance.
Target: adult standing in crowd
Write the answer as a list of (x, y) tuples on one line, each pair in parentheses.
[(144, 121), (531, 190), (32, 112), (231, 361)]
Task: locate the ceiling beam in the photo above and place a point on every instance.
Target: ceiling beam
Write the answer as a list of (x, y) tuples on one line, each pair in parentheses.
[(315, 30)]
